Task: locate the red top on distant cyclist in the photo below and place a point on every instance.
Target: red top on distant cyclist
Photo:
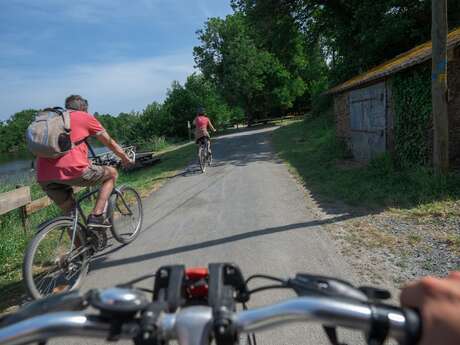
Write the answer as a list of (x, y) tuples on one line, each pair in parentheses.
[(201, 121), (74, 163)]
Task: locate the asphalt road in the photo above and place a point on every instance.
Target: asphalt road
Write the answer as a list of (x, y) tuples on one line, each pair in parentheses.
[(246, 209)]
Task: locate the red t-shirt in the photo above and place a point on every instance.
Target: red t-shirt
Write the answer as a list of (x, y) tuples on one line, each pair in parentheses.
[(201, 122), (75, 162)]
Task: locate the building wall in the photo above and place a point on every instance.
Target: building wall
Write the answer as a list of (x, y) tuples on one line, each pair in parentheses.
[(342, 116), (453, 79), (390, 115)]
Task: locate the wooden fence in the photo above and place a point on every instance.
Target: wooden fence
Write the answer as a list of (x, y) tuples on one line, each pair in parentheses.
[(20, 198)]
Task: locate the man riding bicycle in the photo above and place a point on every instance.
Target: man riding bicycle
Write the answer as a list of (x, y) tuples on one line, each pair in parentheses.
[(201, 123), (56, 176)]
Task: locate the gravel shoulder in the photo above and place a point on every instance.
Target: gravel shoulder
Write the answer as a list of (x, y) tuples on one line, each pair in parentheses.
[(392, 247)]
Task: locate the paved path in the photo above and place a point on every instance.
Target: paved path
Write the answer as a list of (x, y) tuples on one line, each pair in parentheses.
[(246, 209)]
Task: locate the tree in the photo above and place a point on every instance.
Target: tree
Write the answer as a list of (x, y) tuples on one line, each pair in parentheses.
[(13, 131), (275, 29), (247, 76)]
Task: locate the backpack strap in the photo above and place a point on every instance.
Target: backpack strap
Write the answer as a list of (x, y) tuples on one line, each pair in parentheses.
[(66, 117)]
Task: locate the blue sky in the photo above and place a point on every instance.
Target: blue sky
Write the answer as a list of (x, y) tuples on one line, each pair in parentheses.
[(121, 55)]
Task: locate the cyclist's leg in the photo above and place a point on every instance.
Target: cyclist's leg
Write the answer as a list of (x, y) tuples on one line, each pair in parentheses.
[(108, 183), (105, 177), (200, 141), (60, 193), (208, 145)]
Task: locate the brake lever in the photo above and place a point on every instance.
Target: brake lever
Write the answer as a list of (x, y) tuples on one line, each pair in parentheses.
[(314, 285)]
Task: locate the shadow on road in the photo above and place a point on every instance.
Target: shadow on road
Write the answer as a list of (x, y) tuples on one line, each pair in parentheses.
[(102, 262)]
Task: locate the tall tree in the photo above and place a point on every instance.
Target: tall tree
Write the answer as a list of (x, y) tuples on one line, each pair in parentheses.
[(275, 29), (246, 75)]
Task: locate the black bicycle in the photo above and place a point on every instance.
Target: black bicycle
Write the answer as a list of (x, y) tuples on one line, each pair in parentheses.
[(199, 306), (57, 258)]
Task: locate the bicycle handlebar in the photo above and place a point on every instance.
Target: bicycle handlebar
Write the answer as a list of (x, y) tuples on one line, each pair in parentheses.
[(193, 325), (43, 327)]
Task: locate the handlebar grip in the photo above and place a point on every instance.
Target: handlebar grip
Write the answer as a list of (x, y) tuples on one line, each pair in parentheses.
[(413, 326)]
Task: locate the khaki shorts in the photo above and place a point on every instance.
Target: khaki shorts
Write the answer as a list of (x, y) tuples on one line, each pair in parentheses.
[(61, 190)]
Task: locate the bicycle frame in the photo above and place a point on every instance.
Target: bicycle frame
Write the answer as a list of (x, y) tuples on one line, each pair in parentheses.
[(78, 210)]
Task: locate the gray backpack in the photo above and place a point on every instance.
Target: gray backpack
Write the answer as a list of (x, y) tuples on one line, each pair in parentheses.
[(48, 136)]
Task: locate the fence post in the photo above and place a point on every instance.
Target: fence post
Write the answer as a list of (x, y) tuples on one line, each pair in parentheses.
[(23, 215)]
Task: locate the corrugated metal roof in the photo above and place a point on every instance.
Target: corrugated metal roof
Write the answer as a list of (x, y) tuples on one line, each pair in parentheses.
[(413, 57)]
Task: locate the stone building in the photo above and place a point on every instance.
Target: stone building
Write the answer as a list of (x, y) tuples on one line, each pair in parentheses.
[(364, 105)]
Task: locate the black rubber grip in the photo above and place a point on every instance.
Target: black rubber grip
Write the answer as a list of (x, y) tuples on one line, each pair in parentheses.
[(413, 326)]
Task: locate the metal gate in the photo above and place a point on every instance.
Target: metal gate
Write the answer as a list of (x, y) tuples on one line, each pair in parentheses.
[(368, 121)]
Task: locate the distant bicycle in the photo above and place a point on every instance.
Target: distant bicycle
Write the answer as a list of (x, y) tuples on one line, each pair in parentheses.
[(57, 258), (204, 156)]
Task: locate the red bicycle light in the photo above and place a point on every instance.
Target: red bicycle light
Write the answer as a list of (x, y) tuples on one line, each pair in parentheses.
[(196, 273), (197, 282)]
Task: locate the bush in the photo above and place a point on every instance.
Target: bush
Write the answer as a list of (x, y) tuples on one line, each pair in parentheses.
[(382, 165), (153, 144), (321, 104)]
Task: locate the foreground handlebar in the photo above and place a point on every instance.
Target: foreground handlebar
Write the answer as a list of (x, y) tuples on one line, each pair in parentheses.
[(403, 325), (193, 325), (61, 324), (190, 325)]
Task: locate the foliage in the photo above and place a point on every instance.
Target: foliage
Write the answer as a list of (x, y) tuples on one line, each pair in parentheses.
[(13, 131), (182, 101), (154, 144), (247, 75), (170, 118), (275, 30), (412, 123)]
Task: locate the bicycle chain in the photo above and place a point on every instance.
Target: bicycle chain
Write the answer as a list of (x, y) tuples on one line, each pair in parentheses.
[(99, 239)]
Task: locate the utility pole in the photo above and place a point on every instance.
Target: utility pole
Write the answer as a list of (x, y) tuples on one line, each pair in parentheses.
[(189, 131), (439, 86)]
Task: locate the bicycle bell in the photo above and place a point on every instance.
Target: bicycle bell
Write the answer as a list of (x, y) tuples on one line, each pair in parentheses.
[(118, 300)]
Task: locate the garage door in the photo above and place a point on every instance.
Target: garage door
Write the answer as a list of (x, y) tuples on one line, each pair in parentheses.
[(368, 121)]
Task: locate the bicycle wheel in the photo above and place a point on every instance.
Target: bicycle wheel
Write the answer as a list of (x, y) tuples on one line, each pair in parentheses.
[(126, 215), (202, 157), (51, 263)]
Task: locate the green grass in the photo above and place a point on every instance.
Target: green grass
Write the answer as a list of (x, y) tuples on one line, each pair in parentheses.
[(13, 238), (311, 148)]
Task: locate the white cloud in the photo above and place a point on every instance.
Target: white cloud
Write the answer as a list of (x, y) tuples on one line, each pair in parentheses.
[(110, 88)]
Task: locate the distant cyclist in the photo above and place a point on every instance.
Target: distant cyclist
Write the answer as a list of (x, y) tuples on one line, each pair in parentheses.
[(202, 122)]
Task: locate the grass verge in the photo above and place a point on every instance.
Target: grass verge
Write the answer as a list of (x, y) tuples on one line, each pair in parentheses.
[(13, 238), (311, 149)]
